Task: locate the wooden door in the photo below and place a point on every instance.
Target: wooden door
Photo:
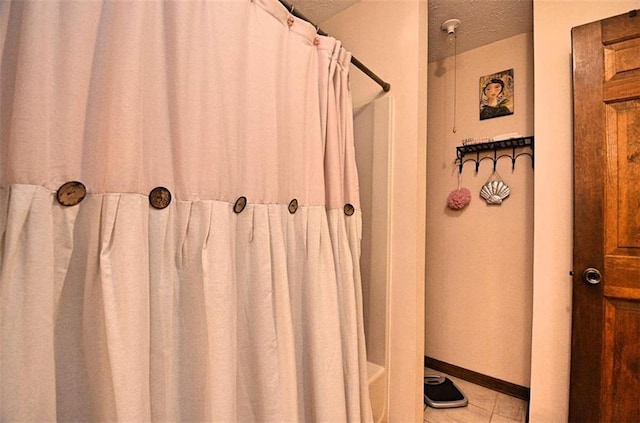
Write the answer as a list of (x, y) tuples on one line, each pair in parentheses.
[(605, 358)]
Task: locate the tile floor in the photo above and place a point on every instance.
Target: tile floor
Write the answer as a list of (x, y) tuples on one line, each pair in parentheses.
[(485, 406)]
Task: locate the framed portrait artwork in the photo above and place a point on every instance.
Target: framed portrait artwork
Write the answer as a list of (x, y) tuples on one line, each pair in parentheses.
[(496, 94)]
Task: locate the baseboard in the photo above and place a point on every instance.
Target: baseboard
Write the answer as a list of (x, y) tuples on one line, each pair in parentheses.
[(479, 379)]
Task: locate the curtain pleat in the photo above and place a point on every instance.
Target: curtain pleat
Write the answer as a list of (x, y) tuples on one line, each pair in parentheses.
[(113, 310)]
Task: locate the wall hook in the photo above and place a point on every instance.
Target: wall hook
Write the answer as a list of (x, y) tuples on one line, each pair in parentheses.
[(480, 150)]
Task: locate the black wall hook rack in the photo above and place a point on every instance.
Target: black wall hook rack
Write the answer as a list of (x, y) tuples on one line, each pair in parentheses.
[(481, 151)]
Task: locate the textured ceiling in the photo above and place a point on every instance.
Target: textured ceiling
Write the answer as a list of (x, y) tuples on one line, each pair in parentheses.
[(482, 21)]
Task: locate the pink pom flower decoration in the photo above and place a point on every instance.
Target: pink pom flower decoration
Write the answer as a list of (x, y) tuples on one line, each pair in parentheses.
[(459, 198)]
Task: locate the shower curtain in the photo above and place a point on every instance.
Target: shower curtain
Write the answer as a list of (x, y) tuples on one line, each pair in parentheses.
[(179, 217)]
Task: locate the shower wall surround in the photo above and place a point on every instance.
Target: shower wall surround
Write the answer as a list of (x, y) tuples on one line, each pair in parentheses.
[(390, 37)]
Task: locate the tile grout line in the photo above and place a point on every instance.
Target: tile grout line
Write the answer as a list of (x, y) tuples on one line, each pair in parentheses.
[(493, 409)]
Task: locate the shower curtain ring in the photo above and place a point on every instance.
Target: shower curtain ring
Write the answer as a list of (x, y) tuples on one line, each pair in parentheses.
[(290, 19)]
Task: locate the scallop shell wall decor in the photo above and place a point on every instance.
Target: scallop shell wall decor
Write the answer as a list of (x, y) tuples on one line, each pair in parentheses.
[(494, 192)]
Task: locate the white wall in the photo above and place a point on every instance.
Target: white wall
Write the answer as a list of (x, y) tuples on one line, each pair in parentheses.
[(551, 347), (390, 37), (479, 260)]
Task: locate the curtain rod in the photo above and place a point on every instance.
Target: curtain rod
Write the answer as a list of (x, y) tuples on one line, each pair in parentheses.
[(357, 63)]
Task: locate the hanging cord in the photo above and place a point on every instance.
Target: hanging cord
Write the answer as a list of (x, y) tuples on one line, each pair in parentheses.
[(455, 78)]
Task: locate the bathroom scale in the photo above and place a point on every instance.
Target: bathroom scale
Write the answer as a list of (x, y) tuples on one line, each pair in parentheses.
[(441, 392)]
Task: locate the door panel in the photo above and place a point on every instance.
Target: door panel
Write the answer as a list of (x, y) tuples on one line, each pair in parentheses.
[(605, 362), (623, 205), (621, 361), (622, 68)]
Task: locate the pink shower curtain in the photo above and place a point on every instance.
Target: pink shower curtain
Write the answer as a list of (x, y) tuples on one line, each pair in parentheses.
[(233, 296)]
